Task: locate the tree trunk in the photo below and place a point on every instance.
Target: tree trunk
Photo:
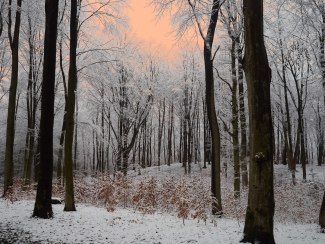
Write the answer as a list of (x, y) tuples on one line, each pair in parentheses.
[(260, 209), (10, 136), (211, 111), (234, 122), (71, 101), (287, 122), (322, 214), (43, 207), (242, 115), (170, 134), (60, 154)]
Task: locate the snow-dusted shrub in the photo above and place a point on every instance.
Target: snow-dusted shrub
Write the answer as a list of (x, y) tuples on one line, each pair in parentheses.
[(106, 194), (144, 198)]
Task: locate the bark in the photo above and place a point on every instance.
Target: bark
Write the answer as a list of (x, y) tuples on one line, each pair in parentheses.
[(260, 210), (170, 134), (242, 115), (320, 137), (161, 125), (43, 207), (322, 48), (1, 18), (71, 102), (60, 154), (322, 213), (211, 111), (10, 135), (234, 122)]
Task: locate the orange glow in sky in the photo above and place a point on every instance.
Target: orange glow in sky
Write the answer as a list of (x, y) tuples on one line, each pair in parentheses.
[(155, 35)]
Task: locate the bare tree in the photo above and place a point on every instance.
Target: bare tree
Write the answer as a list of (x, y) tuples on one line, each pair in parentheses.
[(10, 136), (43, 207), (194, 13)]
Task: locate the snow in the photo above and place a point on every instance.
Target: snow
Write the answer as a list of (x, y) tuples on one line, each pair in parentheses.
[(95, 225), (296, 215)]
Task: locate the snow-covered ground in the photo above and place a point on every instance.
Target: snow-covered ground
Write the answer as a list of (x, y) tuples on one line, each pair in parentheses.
[(95, 225), (296, 214)]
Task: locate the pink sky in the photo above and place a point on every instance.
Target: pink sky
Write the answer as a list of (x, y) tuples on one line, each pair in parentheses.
[(155, 35)]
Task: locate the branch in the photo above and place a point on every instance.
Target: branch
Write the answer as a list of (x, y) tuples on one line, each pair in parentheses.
[(196, 18), (215, 53), (222, 79), (98, 62), (225, 127)]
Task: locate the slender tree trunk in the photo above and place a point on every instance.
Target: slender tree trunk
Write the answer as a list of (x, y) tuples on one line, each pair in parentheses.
[(60, 154), (260, 209), (71, 100), (234, 122), (75, 152), (161, 121), (170, 134), (31, 109), (211, 110), (10, 136), (242, 115), (290, 152), (43, 207)]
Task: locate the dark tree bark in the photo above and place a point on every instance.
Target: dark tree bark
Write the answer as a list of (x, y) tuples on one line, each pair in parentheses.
[(322, 214), (161, 126), (10, 136), (260, 209), (211, 110), (322, 46), (43, 207), (170, 134), (71, 101), (1, 18), (234, 121), (60, 154)]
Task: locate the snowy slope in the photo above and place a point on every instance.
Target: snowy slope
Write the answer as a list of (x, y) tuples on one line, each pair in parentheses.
[(96, 225), (296, 214)]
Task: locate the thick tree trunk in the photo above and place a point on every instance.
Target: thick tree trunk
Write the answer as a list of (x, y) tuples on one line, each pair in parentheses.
[(10, 136), (43, 207), (71, 101), (260, 209)]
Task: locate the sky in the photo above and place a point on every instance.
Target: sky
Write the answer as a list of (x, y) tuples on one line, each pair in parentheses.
[(155, 35)]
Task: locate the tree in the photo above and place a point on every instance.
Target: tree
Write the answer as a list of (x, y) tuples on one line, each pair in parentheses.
[(10, 136), (260, 209), (71, 101), (187, 14), (210, 103), (43, 207), (322, 213), (232, 20), (33, 95)]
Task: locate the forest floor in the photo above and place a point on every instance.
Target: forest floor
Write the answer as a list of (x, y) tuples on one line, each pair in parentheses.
[(296, 213)]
